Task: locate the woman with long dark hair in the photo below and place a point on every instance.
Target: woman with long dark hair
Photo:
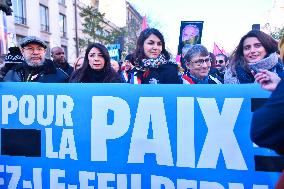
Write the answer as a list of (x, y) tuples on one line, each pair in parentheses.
[(96, 67), (256, 50), (152, 61)]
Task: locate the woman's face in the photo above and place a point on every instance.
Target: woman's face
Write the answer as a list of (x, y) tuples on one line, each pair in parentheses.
[(152, 46), (253, 50), (96, 59), (199, 66)]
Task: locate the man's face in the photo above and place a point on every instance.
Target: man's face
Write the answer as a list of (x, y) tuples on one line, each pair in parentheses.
[(34, 54), (58, 55), (220, 63)]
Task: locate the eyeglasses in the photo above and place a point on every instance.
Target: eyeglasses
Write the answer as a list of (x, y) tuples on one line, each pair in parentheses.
[(220, 61), (32, 50), (199, 62)]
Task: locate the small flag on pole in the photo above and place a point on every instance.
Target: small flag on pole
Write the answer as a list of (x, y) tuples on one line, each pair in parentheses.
[(223, 51), (144, 23), (216, 49)]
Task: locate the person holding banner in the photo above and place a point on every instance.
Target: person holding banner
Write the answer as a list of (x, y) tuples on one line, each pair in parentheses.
[(256, 50), (153, 62), (197, 61), (267, 126), (35, 68), (96, 67)]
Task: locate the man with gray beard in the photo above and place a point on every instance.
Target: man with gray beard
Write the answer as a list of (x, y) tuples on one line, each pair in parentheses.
[(35, 68)]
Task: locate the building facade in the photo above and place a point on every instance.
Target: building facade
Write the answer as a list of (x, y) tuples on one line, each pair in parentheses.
[(58, 22), (51, 20)]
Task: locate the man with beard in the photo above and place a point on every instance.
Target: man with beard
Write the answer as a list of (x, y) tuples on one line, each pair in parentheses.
[(35, 68), (59, 60)]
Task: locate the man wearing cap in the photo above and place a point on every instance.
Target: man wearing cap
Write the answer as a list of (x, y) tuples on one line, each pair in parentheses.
[(59, 59), (35, 67)]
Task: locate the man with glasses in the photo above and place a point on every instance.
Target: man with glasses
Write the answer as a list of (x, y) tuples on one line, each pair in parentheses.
[(35, 68), (197, 61)]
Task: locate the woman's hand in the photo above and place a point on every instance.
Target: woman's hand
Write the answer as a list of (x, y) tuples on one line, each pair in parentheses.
[(267, 80)]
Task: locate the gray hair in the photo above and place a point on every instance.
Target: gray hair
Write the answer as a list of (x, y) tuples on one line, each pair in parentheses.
[(184, 49), (196, 50)]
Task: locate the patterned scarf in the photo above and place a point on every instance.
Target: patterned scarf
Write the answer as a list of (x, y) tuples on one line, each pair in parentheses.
[(154, 62)]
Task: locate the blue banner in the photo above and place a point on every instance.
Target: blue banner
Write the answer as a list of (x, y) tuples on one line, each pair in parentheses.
[(106, 136), (114, 51)]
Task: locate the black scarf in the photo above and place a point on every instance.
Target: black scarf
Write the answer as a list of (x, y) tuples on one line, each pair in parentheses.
[(95, 76)]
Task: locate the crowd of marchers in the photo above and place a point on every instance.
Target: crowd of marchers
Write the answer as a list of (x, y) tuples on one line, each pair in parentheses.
[(150, 63), (258, 58)]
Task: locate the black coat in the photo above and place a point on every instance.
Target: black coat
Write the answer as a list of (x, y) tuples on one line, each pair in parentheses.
[(47, 73), (66, 68), (164, 74), (106, 75), (267, 127)]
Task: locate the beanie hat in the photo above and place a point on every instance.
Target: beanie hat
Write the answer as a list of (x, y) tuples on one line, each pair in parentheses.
[(14, 56)]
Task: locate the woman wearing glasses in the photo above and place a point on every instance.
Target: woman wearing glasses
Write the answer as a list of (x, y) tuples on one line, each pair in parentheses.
[(256, 50), (197, 61), (153, 64)]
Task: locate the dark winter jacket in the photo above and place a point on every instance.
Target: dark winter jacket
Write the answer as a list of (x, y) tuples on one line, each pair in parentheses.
[(164, 74), (93, 76), (66, 68), (47, 73), (267, 127)]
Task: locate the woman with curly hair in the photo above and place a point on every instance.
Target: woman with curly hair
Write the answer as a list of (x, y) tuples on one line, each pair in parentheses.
[(256, 50), (153, 63), (96, 67)]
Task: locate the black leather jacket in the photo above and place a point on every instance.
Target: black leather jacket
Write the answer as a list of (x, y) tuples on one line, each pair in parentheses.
[(47, 73)]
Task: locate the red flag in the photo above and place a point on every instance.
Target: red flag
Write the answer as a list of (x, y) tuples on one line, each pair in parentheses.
[(144, 23), (178, 58), (223, 51), (216, 49)]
